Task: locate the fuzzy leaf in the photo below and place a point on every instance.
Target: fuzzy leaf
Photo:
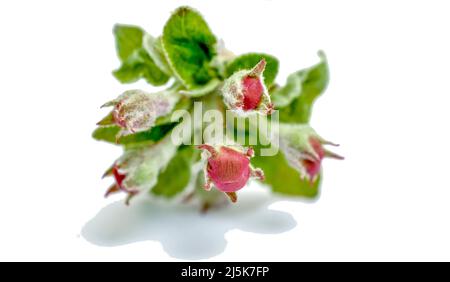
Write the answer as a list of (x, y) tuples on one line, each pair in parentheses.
[(283, 179), (142, 165), (283, 96), (202, 90), (189, 46), (314, 81), (128, 39), (176, 176), (248, 61), (108, 134), (153, 46), (140, 65)]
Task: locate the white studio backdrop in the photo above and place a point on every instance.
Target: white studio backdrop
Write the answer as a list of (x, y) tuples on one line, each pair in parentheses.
[(387, 105)]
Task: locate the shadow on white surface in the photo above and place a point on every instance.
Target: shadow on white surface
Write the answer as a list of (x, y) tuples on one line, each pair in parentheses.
[(182, 230)]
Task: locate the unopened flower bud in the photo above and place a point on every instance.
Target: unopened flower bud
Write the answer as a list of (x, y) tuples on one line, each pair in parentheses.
[(245, 91), (137, 170), (136, 110), (229, 169), (304, 150)]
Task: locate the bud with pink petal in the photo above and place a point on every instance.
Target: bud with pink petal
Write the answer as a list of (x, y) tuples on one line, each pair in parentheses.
[(228, 169), (304, 150), (245, 92), (137, 170)]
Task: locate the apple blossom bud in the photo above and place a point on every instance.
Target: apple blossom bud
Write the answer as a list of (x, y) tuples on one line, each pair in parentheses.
[(303, 149), (245, 92), (136, 110), (229, 169), (137, 170)]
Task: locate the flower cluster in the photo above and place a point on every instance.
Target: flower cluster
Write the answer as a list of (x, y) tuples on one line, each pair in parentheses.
[(195, 68)]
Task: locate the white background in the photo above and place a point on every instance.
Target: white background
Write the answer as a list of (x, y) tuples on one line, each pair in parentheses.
[(387, 105)]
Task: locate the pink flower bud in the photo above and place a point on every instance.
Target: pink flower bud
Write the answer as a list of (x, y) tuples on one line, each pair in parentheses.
[(136, 110), (253, 89), (312, 166), (304, 150), (119, 177), (245, 91), (137, 169), (228, 169)]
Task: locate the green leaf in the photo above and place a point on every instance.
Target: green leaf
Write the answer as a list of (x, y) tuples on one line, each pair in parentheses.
[(139, 65), (128, 39), (202, 90), (283, 96), (107, 120), (284, 179), (176, 176), (108, 134), (136, 62), (248, 61), (153, 46), (189, 46), (314, 81)]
